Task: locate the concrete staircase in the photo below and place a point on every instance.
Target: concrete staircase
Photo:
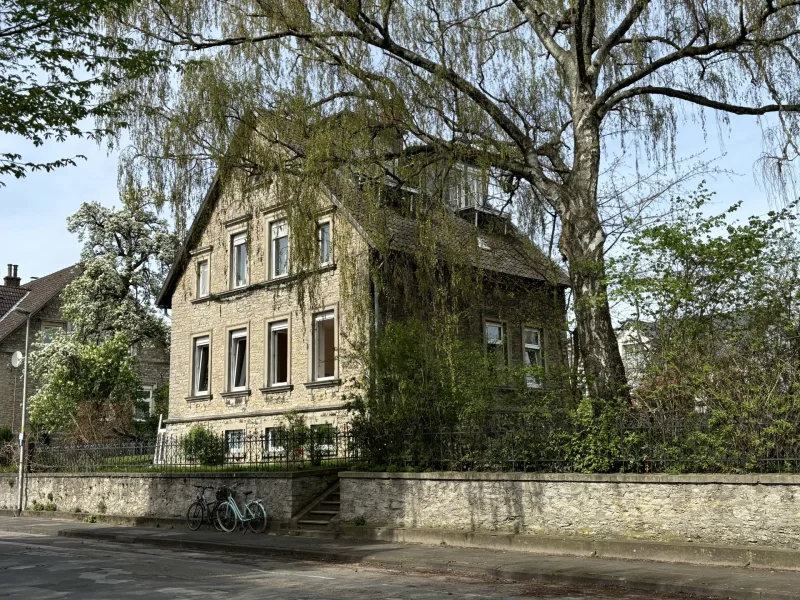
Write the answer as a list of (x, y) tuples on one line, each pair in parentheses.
[(320, 518)]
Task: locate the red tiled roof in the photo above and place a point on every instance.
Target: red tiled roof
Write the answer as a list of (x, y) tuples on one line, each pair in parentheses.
[(31, 298)]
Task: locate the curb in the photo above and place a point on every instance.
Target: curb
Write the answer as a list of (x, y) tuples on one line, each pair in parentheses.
[(515, 572), (644, 550)]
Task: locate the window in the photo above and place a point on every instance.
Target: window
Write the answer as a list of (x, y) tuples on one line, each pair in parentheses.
[(324, 230), (532, 354), (324, 347), (239, 260), (237, 360), (279, 236), (466, 187), (279, 353), (202, 279), (273, 440), (234, 442), (322, 437), (51, 330), (144, 404), (496, 342), (200, 367)]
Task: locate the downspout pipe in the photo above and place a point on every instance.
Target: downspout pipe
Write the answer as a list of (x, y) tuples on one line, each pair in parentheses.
[(22, 440)]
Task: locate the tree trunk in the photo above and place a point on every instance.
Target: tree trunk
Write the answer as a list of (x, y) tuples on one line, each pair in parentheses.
[(582, 243)]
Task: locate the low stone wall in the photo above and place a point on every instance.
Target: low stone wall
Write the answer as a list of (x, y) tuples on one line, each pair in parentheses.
[(162, 495), (716, 509)]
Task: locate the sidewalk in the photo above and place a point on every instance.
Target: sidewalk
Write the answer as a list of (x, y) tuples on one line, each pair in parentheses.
[(745, 584)]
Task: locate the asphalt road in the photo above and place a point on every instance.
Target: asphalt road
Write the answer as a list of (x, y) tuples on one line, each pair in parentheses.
[(35, 567)]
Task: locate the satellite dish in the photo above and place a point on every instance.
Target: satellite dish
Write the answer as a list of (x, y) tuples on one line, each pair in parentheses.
[(16, 359)]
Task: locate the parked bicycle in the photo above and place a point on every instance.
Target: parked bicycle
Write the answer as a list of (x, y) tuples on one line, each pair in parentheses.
[(228, 513), (202, 511)]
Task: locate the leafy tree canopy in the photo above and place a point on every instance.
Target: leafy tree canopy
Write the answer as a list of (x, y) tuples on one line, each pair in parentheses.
[(55, 63), (527, 91)]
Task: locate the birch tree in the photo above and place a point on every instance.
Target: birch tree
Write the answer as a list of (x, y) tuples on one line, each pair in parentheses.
[(533, 91)]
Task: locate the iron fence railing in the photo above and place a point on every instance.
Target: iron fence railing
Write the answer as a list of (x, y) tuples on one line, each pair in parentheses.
[(642, 442), (176, 453)]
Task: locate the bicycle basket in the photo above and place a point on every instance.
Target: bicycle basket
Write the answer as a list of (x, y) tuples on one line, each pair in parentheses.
[(223, 494)]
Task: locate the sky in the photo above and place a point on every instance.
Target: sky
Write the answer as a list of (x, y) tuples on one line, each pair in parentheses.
[(34, 210)]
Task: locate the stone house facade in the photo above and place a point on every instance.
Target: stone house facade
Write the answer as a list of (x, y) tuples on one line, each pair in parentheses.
[(245, 351), (41, 299)]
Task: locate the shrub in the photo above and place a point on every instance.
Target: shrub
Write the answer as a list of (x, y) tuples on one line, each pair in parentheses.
[(6, 435), (204, 446)]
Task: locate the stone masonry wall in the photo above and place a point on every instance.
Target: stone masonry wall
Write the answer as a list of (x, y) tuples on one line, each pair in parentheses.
[(254, 307), (162, 495), (732, 509)]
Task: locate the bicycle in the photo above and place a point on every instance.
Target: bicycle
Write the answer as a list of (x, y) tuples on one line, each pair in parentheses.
[(201, 510), (228, 512)]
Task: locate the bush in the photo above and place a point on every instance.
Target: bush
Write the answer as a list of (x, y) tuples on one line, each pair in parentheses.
[(204, 446), (6, 435)]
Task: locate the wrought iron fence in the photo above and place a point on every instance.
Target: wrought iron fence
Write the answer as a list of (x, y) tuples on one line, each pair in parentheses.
[(642, 442), (278, 451)]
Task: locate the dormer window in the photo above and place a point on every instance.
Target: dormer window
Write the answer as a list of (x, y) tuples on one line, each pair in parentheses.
[(279, 249), (467, 187), (239, 260)]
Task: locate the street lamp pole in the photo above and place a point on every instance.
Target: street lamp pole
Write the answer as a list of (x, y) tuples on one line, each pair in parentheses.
[(24, 412)]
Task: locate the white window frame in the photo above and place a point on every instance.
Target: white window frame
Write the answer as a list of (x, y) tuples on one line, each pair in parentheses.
[(238, 239), (466, 180), (197, 342), (270, 446), (273, 254), (320, 226), (202, 293), (148, 400), (530, 380), (52, 325), (329, 314), (272, 327), (326, 448), (233, 336), (240, 451), (503, 343)]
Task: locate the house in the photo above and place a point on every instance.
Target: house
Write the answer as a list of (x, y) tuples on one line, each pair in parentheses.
[(40, 299), (245, 350)]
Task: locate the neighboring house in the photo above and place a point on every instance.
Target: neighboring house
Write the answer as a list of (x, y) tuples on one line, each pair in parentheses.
[(635, 341), (41, 299), (244, 352)]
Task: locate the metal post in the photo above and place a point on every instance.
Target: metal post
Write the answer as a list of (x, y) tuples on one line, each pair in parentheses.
[(24, 409)]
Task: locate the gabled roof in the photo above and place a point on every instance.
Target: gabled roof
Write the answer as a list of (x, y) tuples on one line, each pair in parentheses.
[(509, 253), (31, 298)]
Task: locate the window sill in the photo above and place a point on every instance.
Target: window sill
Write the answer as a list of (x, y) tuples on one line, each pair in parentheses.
[(276, 389), (323, 383), (277, 282), (235, 394), (199, 398)]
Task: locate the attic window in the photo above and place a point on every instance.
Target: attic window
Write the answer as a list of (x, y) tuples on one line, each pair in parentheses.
[(483, 244)]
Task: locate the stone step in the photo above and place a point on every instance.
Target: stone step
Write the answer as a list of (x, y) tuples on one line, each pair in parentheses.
[(313, 522), (329, 513), (331, 502), (314, 533)]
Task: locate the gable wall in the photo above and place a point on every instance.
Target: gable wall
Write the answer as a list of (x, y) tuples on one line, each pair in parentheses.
[(254, 309)]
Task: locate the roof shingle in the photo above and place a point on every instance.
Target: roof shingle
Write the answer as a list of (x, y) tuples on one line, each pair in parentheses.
[(31, 298)]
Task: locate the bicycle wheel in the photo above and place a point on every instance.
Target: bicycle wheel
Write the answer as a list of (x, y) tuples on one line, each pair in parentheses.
[(195, 515), (226, 518), (258, 522)]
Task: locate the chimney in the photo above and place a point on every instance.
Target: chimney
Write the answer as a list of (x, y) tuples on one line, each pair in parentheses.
[(11, 280)]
